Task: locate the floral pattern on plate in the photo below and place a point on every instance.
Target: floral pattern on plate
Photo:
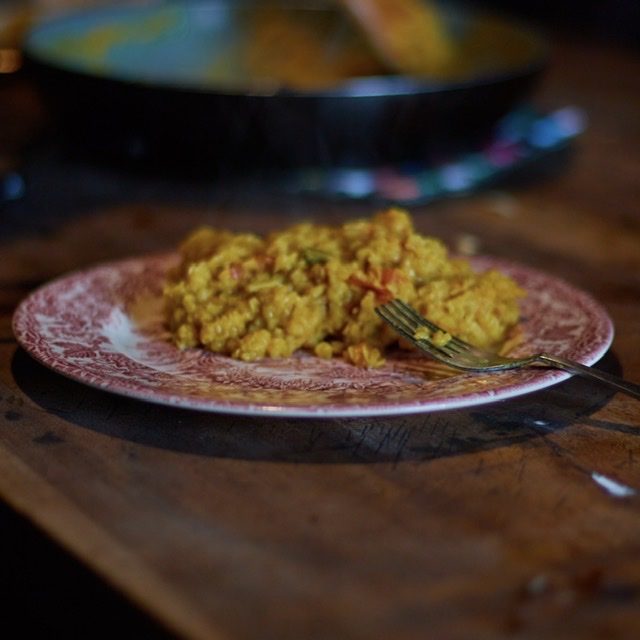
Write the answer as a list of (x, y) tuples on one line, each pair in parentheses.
[(104, 327)]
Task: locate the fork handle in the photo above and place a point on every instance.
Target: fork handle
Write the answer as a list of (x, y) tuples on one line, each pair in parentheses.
[(625, 386)]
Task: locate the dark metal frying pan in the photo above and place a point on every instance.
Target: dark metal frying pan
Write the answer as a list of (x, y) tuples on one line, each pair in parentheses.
[(213, 84)]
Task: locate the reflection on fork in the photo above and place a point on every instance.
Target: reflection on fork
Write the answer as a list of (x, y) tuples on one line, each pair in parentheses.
[(459, 354)]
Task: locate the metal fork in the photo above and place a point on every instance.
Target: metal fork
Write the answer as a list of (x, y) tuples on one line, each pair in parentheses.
[(461, 355)]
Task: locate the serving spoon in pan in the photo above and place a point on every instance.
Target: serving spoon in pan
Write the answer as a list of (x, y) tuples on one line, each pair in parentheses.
[(409, 36)]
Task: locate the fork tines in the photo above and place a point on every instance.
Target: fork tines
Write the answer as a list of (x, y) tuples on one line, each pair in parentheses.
[(406, 321)]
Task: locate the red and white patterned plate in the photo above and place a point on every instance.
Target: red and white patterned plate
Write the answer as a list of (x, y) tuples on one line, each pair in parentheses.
[(103, 327)]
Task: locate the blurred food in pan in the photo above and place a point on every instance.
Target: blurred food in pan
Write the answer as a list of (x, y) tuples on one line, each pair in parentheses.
[(242, 84)]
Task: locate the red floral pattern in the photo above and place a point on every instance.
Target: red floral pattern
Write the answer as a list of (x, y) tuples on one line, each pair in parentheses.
[(104, 327)]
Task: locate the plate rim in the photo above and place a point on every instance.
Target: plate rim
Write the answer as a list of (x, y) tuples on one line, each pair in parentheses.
[(22, 321)]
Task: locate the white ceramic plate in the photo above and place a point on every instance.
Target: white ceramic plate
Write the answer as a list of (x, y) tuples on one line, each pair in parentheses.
[(103, 327)]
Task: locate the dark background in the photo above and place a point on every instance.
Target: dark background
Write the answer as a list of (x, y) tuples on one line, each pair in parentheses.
[(614, 20)]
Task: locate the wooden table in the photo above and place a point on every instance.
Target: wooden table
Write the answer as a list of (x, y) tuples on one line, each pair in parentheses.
[(478, 523)]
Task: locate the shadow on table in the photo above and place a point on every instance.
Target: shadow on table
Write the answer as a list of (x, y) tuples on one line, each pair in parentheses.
[(332, 441)]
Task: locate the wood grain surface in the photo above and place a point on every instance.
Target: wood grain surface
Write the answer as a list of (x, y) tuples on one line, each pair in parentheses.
[(484, 523)]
